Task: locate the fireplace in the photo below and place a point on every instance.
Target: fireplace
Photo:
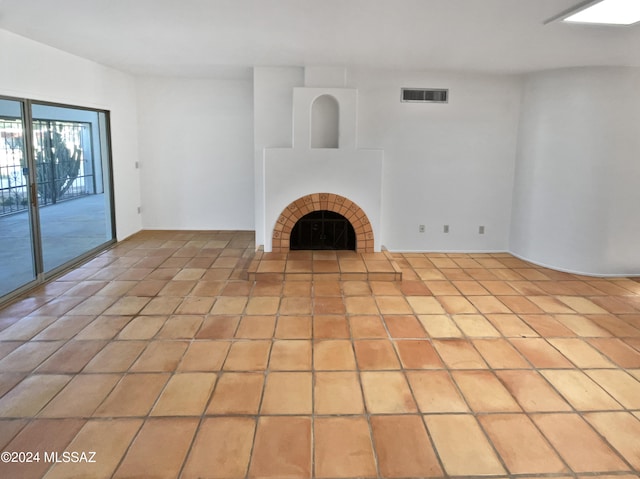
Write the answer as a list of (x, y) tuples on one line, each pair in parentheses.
[(323, 230), (323, 171), (314, 204)]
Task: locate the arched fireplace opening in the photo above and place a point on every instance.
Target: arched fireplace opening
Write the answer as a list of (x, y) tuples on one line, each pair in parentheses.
[(323, 230), (281, 239)]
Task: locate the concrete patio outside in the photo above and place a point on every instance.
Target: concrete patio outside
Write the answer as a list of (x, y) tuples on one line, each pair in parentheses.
[(69, 229)]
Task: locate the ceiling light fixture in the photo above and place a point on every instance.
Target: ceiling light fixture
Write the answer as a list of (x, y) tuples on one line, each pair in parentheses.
[(608, 12)]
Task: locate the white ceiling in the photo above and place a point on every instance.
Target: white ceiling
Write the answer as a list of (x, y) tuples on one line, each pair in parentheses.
[(223, 37)]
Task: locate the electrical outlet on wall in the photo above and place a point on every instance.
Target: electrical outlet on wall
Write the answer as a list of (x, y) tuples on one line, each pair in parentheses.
[(421, 228), (481, 230), (446, 228)]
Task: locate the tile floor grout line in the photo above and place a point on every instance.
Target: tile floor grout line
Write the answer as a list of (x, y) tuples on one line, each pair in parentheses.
[(201, 420), (129, 446), (579, 369), (258, 416), (498, 455), (573, 411), (604, 438), (312, 453), (423, 414), (366, 413)]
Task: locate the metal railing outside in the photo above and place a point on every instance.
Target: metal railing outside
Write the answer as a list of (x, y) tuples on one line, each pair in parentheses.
[(63, 163)]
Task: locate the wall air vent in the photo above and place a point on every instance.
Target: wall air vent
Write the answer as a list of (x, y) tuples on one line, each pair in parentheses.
[(425, 95)]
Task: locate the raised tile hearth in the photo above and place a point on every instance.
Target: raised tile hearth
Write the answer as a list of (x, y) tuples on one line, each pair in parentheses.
[(324, 265)]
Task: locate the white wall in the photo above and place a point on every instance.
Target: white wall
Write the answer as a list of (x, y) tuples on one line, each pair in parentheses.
[(577, 186), (445, 164), (39, 72), (273, 126), (196, 153), (291, 174)]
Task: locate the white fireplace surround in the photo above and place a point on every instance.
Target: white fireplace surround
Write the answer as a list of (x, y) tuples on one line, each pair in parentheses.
[(291, 173)]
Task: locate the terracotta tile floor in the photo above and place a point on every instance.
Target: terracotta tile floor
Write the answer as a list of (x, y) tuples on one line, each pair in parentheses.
[(330, 265), (162, 358)]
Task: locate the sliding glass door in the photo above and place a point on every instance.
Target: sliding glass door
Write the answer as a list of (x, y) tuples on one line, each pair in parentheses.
[(70, 161), (56, 184), (17, 261)]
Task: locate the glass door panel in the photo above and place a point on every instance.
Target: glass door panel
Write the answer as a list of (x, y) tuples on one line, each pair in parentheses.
[(17, 263), (71, 164)]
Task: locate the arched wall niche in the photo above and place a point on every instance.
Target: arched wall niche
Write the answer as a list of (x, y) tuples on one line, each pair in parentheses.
[(325, 122)]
